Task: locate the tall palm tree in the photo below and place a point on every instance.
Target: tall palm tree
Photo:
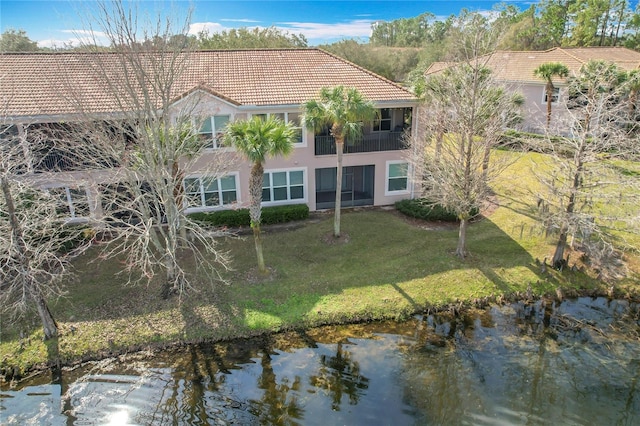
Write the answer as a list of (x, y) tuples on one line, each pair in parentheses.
[(257, 139), (343, 110), (547, 71)]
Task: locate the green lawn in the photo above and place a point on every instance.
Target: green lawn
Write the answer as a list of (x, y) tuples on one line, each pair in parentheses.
[(389, 268)]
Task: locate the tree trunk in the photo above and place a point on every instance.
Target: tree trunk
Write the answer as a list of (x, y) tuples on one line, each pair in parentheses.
[(439, 141), (336, 217), (549, 99), (558, 256), (485, 164), (178, 193), (49, 325), (461, 249), (171, 285), (257, 240), (255, 210)]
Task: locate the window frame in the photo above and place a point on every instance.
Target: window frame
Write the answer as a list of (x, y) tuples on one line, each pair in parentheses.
[(202, 194), (289, 200), (378, 121), (387, 179), (556, 95), (215, 135), (285, 114), (71, 207)]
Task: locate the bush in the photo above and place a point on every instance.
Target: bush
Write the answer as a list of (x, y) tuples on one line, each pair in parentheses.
[(240, 217), (421, 208)]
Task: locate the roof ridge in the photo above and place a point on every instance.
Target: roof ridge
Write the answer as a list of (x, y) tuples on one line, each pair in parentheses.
[(570, 55), (255, 49), (386, 80)]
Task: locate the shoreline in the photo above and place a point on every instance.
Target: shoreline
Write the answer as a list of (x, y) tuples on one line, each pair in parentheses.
[(456, 309), (423, 277)]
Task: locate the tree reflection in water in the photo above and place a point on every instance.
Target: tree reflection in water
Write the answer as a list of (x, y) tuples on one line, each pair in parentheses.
[(340, 375), (279, 403)]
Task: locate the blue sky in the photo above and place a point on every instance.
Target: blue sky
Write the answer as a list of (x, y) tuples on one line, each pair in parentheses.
[(321, 21)]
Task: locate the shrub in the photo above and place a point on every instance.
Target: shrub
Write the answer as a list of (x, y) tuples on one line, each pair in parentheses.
[(240, 217), (421, 208)]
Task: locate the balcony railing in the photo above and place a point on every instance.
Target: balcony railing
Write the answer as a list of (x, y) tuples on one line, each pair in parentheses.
[(57, 161), (373, 142)]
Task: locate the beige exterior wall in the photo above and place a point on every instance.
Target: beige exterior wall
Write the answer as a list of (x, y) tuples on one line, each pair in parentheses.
[(535, 108), (226, 162), (303, 157)]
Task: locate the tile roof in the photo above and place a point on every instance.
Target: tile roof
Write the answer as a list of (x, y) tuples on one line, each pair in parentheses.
[(40, 83), (518, 66)]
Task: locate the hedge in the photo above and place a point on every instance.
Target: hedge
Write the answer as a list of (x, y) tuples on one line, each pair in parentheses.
[(421, 208), (240, 217)]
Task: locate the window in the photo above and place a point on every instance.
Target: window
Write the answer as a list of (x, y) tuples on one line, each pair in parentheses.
[(554, 97), (287, 117), (383, 122), (209, 192), (73, 202), (283, 186), (211, 130), (397, 177)]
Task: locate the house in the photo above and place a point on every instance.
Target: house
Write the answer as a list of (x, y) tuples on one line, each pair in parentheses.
[(230, 85), (515, 69)]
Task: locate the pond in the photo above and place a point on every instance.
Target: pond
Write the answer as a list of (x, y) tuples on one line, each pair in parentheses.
[(571, 363)]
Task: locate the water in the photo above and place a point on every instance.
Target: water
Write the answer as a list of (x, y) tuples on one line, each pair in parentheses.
[(577, 363)]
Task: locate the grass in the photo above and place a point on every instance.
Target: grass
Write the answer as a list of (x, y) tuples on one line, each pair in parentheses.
[(388, 268)]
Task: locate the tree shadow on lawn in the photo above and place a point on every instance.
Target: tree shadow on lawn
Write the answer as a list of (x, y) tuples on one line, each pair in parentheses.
[(386, 262), (380, 267)]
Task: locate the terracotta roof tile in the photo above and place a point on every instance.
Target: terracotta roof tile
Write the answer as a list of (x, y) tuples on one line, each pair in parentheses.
[(518, 66), (39, 84)]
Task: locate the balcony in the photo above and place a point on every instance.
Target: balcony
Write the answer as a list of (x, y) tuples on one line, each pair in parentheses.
[(372, 142)]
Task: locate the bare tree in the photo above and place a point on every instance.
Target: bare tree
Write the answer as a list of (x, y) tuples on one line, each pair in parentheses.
[(588, 190), (37, 241), (153, 133), (456, 168), (467, 112)]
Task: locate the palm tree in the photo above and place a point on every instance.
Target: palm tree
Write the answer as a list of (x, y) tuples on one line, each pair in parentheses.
[(257, 139), (343, 110), (547, 71)]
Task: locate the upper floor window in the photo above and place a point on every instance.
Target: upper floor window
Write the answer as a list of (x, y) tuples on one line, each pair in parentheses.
[(383, 122), (210, 192), (212, 129), (73, 202), (554, 98), (287, 117)]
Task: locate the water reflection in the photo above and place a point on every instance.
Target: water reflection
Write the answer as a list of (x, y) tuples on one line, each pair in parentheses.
[(574, 363)]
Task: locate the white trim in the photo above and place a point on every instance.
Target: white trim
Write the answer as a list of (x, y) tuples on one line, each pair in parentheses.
[(221, 205), (72, 217), (386, 178), (303, 143), (305, 187), (199, 121), (544, 95)]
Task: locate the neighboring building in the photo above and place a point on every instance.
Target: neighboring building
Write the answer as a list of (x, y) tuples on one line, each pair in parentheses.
[(231, 85), (516, 70)]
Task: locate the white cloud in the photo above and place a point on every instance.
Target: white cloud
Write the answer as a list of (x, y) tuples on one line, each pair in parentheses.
[(209, 27), (250, 21), (77, 38), (312, 30)]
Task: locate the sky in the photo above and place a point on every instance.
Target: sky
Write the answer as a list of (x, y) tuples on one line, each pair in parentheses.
[(56, 23)]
